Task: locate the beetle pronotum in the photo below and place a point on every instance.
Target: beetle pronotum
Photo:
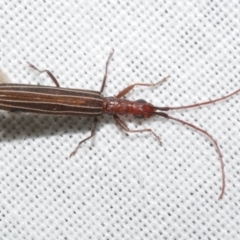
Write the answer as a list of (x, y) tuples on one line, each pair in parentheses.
[(78, 102)]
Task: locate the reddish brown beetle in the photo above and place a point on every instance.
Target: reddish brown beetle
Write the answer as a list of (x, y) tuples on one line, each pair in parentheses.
[(78, 102)]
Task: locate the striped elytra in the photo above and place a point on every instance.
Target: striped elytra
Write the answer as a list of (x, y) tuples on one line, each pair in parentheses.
[(50, 100)]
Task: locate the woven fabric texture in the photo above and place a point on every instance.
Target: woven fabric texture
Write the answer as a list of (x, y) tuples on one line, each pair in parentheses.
[(120, 185)]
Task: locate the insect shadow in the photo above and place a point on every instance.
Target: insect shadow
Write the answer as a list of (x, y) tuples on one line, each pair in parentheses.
[(24, 126)]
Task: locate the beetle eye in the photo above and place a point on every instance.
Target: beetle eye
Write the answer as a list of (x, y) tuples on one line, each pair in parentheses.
[(138, 116), (139, 101)]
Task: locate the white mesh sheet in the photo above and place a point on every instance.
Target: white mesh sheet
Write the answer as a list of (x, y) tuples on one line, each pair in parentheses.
[(118, 185)]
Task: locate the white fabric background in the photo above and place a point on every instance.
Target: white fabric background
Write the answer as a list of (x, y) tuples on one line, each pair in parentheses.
[(122, 186)]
